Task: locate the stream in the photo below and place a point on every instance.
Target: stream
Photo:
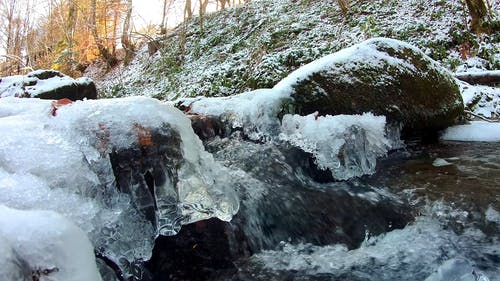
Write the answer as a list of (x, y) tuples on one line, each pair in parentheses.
[(429, 212)]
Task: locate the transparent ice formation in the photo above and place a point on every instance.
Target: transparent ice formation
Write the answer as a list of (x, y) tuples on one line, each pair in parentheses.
[(44, 245), (254, 112), (61, 163), (347, 145)]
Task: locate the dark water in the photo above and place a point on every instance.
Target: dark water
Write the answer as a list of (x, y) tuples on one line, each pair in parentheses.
[(413, 218)]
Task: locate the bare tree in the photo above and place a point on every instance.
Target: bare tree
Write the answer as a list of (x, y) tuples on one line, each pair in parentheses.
[(108, 57), (479, 14), (344, 6), (188, 12), (125, 39)]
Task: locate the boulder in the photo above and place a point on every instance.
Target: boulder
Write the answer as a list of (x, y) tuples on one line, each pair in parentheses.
[(48, 84), (383, 76)]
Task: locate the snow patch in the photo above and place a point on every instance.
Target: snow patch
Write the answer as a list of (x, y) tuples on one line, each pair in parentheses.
[(362, 53), (475, 131), (44, 245)]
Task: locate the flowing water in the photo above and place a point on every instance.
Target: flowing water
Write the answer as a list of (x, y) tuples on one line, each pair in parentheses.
[(430, 212)]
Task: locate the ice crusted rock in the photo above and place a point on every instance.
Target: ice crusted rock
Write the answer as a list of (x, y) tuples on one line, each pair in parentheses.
[(347, 145), (63, 163), (43, 245), (254, 112)]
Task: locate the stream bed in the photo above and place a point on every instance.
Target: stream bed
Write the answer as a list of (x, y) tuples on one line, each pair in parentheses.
[(429, 212)]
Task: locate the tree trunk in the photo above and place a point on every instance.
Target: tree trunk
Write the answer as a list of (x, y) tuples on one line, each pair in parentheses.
[(478, 12), (344, 6), (108, 57), (491, 77), (126, 42), (163, 25), (188, 13)]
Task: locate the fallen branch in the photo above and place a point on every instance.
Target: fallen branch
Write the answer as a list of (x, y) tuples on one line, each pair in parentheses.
[(491, 77), (481, 117)]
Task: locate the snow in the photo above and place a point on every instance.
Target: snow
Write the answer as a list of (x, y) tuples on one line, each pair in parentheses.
[(481, 100), (475, 131), (31, 86), (362, 53), (61, 163), (256, 45), (346, 145), (44, 243)]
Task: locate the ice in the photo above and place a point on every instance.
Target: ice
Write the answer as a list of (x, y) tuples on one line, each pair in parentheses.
[(30, 85), (255, 112), (62, 163), (347, 145), (474, 131), (45, 245)]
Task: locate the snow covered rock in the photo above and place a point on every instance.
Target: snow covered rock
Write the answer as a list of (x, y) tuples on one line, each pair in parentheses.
[(383, 76), (44, 245), (47, 84)]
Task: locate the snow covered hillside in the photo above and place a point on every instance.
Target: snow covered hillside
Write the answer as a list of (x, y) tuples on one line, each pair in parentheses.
[(256, 45)]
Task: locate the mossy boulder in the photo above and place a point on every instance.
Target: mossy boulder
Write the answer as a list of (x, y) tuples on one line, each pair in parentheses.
[(383, 76), (48, 84)]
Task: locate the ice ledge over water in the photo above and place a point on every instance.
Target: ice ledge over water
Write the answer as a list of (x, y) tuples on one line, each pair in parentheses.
[(346, 145)]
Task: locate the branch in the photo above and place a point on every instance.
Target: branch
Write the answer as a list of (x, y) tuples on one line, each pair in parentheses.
[(481, 117), (491, 77)]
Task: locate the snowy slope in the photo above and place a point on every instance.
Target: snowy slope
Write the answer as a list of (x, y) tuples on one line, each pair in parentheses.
[(256, 45)]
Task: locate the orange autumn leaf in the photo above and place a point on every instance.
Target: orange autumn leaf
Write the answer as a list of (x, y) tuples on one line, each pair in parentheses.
[(58, 103), (143, 135)]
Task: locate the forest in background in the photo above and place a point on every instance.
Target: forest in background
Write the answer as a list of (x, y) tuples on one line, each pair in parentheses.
[(66, 35)]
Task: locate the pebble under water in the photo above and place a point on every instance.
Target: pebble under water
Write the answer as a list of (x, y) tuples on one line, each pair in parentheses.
[(430, 212)]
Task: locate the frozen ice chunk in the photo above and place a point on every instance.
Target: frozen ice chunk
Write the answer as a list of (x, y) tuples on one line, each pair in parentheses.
[(62, 163), (347, 145), (44, 244)]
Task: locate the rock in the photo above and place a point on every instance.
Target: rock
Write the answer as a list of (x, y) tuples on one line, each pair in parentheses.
[(48, 84), (200, 251), (383, 76)]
